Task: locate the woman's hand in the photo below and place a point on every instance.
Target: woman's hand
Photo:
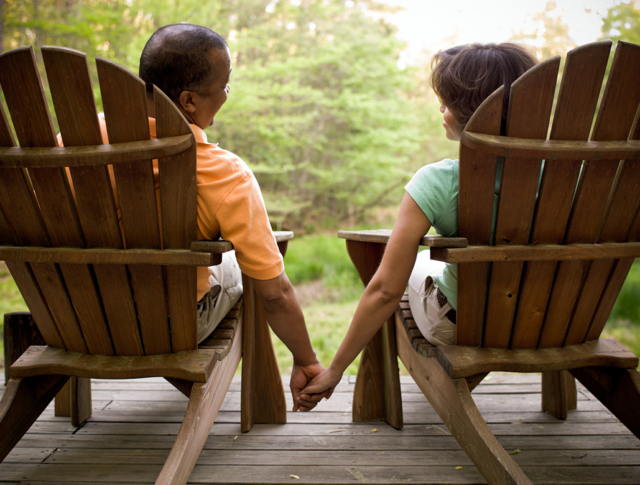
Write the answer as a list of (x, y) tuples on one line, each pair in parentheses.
[(322, 385), (301, 375)]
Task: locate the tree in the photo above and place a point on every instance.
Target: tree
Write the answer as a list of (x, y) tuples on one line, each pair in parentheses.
[(318, 107), (622, 22)]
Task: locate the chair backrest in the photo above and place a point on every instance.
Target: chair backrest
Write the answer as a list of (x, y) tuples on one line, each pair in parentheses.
[(530, 304), (104, 309)]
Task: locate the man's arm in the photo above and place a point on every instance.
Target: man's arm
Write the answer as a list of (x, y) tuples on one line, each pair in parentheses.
[(285, 317)]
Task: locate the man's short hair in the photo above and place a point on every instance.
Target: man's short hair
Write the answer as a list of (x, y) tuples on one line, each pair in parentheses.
[(176, 58), (464, 76)]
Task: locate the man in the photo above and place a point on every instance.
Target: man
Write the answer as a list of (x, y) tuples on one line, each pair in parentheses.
[(192, 65)]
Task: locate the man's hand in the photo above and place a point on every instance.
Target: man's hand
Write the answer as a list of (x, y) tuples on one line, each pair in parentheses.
[(301, 375)]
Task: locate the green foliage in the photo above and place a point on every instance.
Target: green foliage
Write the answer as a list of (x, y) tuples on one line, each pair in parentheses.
[(318, 107), (323, 258), (627, 306), (622, 22)]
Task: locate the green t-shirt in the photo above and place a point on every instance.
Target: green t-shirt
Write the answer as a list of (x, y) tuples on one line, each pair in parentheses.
[(435, 189)]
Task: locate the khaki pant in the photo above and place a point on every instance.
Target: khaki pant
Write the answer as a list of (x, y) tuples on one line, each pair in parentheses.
[(226, 290), (428, 315)]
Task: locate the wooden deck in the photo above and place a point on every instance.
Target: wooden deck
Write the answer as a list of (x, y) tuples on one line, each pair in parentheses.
[(135, 422)]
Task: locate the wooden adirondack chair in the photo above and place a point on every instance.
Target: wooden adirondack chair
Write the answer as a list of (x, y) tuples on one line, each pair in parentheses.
[(537, 300), (103, 310)]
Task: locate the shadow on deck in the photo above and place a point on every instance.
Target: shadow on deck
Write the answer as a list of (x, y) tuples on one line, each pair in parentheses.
[(134, 424)]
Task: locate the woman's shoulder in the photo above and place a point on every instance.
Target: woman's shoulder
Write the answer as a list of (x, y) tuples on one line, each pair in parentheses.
[(444, 170)]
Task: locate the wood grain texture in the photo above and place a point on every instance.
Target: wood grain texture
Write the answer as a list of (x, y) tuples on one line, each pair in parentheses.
[(377, 393), (461, 361), (124, 101), (405, 319), (614, 121), (177, 178), (20, 332), (205, 401), (22, 402), (477, 180), (575, 107), (92, 155), (191, 365), (262, 396), (617, 389), (538, 252), (520, 147), (530, 104), (35, 254), (57, 217), (453, 402), (382, 236), (554, 394)]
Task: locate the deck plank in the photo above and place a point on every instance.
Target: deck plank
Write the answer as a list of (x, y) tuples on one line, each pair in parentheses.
[(135, 422)]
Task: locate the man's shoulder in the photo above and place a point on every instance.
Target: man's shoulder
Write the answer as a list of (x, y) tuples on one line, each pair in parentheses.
[(212, 157)]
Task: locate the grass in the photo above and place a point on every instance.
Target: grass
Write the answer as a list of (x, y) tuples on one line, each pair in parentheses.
[(329, 289)]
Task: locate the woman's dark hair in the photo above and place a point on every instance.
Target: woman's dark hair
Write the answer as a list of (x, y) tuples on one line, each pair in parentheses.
[(464, 76), (175, 59)]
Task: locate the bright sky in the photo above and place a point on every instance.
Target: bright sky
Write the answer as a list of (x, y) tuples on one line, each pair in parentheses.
[(429, 25)]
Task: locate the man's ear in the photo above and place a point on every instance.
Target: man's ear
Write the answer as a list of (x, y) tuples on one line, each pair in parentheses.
[(186, 102)]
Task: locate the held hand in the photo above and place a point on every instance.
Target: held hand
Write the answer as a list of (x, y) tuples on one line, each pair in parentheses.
[(301, 375), (321, 385)]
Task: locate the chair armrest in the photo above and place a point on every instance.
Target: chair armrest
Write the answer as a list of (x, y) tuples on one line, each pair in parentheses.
[(215, 247), (282, 236), (381, 236)]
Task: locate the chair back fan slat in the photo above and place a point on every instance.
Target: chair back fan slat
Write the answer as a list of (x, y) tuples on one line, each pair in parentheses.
[(530, 103), (177, 177), (572, 120), (59, 285), (124, 101), (616, 228), (21, 272), (72, 93), (477, 179), (579, 284)]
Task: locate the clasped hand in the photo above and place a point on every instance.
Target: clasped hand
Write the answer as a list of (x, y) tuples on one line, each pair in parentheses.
[(310, 384)]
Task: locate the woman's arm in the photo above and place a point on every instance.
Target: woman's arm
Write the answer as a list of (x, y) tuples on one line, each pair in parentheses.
[(382, 295)]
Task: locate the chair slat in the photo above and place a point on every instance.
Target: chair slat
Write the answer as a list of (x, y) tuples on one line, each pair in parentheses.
[(477, 178), (70, 85), (179, 229), (618, 208), (21, 272), (20, 80), (530, 105), (125, 106), (577, 100), (615, 119), (614, 122)]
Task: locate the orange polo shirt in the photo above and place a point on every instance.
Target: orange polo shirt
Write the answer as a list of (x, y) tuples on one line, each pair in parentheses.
[(229, 205)]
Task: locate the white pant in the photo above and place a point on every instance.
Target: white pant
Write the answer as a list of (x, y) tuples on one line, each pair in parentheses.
[(226, 290), (423, 300)]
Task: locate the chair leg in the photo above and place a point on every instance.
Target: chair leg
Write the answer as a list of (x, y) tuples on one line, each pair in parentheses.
[(453, 402), (617, 389), (23, 401), (262, 398), (74, 400), (558, 393), (205, 401), (377, 396)]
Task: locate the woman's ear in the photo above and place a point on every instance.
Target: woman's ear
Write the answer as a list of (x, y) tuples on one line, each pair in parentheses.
[(185, 101)]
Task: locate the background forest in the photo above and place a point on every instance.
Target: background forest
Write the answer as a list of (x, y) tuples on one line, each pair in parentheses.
[(330, 120)]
